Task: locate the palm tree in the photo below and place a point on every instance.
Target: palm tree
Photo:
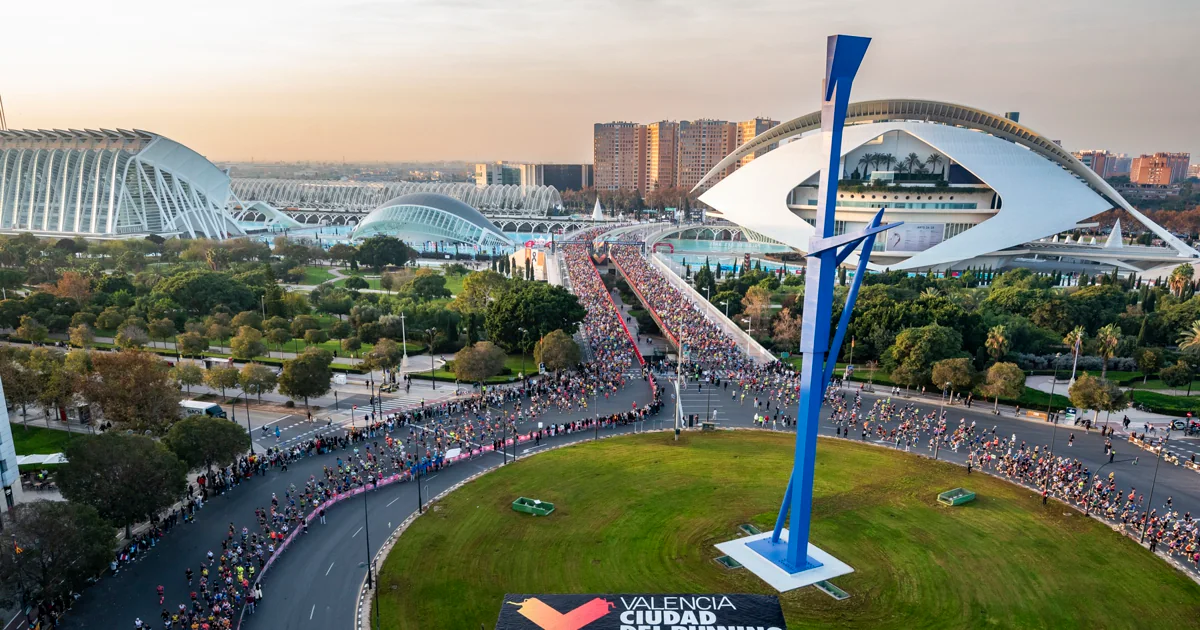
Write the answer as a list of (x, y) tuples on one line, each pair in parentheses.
[(911, 162), (1190, 339), (997, 342), (934, 159), (1181, 276), (864, 161), (1074, 340), (1107, 339), (887, 160)]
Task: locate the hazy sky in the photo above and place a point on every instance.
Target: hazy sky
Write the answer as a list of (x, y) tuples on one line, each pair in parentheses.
[(525, 79)]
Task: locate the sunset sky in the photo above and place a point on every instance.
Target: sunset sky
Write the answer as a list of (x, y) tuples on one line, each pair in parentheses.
[(525, 79)]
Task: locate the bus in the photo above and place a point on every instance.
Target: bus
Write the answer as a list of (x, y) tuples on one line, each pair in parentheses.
[(198, 407)]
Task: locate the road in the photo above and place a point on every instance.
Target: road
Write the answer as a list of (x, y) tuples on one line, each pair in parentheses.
[(315, 584)]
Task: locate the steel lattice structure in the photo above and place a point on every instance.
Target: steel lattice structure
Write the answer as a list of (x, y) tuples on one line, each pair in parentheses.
[(109, 183), (292, 195)]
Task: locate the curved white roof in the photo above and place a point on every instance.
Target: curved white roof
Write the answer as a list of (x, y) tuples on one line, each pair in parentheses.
[(431, 217), (109, 183), (353, 196), (952, 115)]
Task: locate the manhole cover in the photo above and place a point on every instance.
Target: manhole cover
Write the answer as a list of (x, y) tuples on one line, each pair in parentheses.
[(729, 563)]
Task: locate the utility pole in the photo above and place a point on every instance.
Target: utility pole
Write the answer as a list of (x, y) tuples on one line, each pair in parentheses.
[(1150, 501)]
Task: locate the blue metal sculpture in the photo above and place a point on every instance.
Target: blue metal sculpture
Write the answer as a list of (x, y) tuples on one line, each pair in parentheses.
[(844, 55)]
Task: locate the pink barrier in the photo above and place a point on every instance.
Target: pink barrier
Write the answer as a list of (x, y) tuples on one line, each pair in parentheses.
[(666, 331)]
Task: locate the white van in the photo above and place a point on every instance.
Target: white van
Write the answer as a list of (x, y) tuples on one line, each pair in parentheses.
[(199, 407)]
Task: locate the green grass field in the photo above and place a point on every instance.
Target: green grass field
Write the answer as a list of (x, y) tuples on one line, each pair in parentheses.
[(372, 281), (36, 440), (316, 275), (642, 514)]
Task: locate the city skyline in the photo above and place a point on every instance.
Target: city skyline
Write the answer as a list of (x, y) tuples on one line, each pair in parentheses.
[(526, 81)]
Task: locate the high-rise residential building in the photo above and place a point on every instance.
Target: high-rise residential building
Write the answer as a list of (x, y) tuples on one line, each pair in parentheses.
[(669, 153), (1194, 170), (662, 155), (1160, 169), (567, 176), (703, 143), (1099, 161), (747, 130), (1119, 164), (619, 159)]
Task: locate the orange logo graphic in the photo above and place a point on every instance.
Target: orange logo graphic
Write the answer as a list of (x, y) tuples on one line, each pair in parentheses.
[(547, 618)]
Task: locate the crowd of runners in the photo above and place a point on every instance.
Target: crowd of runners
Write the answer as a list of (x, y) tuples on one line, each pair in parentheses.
[(773, 391)]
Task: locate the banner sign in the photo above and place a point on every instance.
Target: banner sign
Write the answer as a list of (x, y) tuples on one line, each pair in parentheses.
[(915, 237), (640, 612)]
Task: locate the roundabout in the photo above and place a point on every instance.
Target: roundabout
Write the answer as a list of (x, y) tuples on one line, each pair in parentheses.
[(642, 514)]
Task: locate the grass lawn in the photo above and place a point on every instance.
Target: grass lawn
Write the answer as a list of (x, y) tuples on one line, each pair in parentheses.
[(454, 283), (372, 282), (641, 514), (1160, 402), (36, 440), (316, 275)]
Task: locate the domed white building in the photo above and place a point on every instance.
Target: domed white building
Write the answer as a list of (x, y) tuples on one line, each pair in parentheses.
[(972, 188), (420, 217)]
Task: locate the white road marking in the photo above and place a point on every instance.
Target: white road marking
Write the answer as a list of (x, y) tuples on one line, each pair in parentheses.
[(312, 612), (356, 533), (329, 569), (275, 420), (392, 501)]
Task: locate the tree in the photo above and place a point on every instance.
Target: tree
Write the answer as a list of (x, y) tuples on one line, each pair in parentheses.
[(134, 390), (786, 328), (730, 302), (1190, 339), (1181, 277), (385, 355), (380, 251), (203, 441), (257, 379), (248, 344), (62, 547), (302, 323), (1148, 360), (351, 344), (1107, 339), (127, 478), (110, 318), (247, 318), (197, 291), (356, 283), (757, 302), (1177, 375), (558, 351), (315, 336), (959, 373), (187, 375), (279, 337), (917, 349), (426, 286), (997, 342), (536, 306), (81, 336), (1089, 392), (1004, 380), (191, 344), (131, 337), (74, 285), (31, 330), (161, 329), (341, 252), (307, 376), (479, 288), (479, 362), (222, 377), (21, 384)]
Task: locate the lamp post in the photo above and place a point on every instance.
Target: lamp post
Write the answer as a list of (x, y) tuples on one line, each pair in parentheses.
[(404, 340), (433, 382), (937, 439), (726, 305), (1150, 501), (1054, 421), (367, 529), (524, 340), (248, 425)]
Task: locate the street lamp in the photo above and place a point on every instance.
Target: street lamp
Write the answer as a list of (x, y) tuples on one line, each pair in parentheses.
[(429, 331), (524, 340), (403, 339), (1049, 416), (1150, 502), (937, 439), (726, 305)]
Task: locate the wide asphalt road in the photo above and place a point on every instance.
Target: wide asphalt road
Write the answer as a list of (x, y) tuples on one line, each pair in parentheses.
[(315, 584)]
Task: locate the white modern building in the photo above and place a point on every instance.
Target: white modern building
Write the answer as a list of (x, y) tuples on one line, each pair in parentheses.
[(10, 475), (972, 188), (418, 218), (110, 184)]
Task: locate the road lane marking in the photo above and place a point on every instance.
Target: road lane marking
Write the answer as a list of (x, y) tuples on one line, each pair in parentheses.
[(276, 420), (356, 533), (312, 612), (392, 501), (329, 569)]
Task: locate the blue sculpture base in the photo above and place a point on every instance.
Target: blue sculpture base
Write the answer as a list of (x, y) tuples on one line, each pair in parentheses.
[(766, 560), (776, 552)]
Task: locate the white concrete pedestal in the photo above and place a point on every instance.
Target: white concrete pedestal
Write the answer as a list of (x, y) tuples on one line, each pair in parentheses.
[(775, 575)]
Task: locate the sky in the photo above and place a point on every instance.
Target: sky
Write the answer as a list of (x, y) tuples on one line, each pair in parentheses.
[(524, 80)]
